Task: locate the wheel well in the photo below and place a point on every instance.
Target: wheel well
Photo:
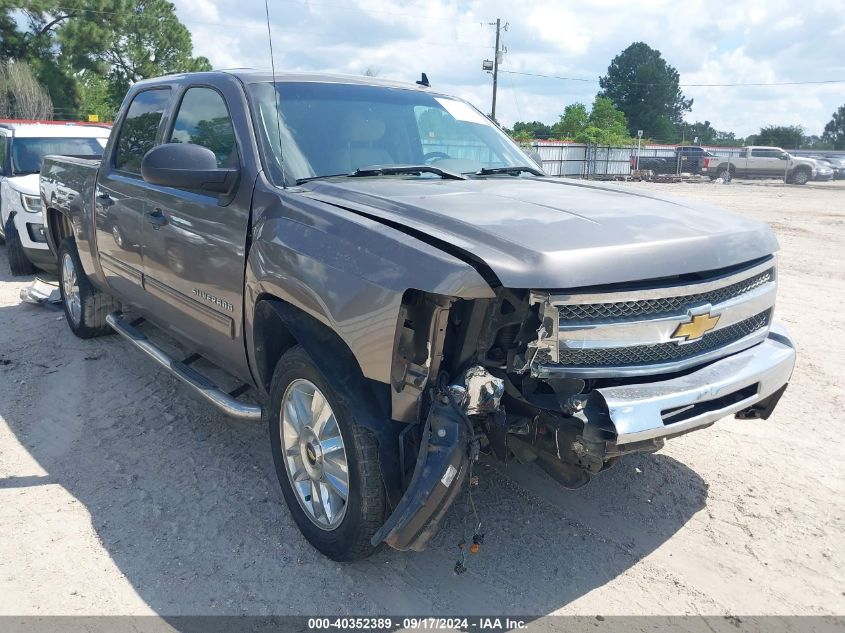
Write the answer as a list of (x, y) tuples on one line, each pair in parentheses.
[(271, 338), (278, 326), (60, 228)]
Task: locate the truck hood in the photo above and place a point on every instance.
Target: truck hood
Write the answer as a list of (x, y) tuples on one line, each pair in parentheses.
[(803, 160), (541, 233), (27, 184)]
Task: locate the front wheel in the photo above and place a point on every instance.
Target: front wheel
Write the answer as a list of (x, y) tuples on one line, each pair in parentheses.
[(85, 307), (326, 463), (19, 263), (801, 177)]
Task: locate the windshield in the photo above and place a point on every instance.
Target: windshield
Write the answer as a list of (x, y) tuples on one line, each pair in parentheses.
[(329, 129), (28, 153)]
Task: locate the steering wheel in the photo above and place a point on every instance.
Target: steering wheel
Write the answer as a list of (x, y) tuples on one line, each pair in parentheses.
[(431, 156)]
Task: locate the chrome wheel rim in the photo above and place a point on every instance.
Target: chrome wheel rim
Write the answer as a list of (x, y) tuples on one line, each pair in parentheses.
[(314, 454), (70, 286), (117, 235)]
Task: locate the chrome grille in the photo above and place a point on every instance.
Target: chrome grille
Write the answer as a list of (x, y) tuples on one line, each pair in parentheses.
[(624, 310), (634, 332), (663, 352)]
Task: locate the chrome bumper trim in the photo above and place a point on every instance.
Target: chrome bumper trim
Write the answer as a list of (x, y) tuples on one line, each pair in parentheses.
[(637, 410)]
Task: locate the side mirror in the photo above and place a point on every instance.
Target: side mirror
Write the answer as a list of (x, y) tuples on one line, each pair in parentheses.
[(187, 166), (784, 156)]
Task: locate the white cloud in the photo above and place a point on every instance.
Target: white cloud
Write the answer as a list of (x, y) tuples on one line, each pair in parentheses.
[(754, 41)]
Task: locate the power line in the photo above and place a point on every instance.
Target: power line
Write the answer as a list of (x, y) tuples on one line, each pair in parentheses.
[(684, 85)]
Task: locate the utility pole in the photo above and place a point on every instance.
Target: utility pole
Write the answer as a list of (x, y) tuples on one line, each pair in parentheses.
[(493, 66), (496, 68)]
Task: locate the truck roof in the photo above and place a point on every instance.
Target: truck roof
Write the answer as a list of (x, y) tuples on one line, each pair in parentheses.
[(780, 149), (55, 129), (252, 75)]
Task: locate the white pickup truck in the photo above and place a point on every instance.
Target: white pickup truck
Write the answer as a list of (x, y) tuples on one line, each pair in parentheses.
[(765, 162), (23, 146)]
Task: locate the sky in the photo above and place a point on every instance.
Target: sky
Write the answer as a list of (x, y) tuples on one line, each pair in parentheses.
[(719, 41)]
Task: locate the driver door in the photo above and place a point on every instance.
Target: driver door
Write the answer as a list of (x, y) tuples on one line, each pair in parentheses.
[(195, 241)]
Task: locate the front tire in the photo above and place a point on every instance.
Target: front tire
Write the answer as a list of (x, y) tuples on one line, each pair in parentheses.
[(85, 307), (801, 177), (327, 464), (19, 263), (726, 174)]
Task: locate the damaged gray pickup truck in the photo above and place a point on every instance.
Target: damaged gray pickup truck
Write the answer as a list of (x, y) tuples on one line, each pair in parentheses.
[(397, 289)]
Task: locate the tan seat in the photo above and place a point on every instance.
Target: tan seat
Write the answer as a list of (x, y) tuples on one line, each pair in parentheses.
[(360, 136)]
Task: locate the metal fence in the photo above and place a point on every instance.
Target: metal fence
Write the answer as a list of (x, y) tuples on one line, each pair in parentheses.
[(578, 160), (585, 161)]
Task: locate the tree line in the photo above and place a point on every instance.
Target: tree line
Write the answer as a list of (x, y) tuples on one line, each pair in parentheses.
[(641, 91), (82, 55)]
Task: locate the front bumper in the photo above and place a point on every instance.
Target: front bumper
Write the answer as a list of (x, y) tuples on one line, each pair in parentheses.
[(655, 410)]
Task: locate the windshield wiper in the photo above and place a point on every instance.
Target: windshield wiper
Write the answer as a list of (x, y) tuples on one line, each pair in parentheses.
[(394, 170), (388, 170), (300, 181), (513, 171)]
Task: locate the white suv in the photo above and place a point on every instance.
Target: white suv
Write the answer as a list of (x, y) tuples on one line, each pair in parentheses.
[(23, 145)]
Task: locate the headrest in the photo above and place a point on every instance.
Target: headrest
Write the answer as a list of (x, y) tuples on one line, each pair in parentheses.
[(359, 129)]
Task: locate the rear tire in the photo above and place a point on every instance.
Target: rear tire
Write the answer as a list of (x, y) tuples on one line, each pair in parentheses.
[(85, 306), (19, 263), (344, 532)]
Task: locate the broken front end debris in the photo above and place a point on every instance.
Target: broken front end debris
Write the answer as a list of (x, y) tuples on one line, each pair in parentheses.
[(574, 381)]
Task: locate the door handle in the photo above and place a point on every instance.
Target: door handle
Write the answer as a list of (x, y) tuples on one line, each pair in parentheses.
[(105, 200), (157, 218)]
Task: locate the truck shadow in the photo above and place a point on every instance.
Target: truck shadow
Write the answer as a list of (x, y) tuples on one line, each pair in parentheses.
[(186, 502)]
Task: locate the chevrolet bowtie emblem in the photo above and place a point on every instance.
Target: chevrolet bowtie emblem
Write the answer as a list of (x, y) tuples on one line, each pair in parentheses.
[(697, 327)]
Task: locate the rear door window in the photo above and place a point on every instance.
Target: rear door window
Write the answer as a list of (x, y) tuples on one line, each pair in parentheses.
[(203, 119), (139, 129)]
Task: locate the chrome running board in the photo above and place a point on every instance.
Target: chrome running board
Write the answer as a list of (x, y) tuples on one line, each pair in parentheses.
[(202, 385)]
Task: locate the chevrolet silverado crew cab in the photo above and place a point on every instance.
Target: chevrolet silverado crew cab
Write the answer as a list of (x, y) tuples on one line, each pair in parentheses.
[(765, 162), (395, 288), (23, 146)]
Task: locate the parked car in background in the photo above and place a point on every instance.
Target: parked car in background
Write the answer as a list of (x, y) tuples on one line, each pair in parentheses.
[(824, 170), (686, 159), (764, 162), (23, 146), (836, 163)]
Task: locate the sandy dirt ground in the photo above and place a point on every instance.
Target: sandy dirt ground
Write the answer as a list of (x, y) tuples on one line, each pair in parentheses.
[(121, 494)]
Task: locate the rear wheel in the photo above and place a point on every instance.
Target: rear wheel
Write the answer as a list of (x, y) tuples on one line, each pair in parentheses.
[(85, 307), (19, 263), (326, 463)]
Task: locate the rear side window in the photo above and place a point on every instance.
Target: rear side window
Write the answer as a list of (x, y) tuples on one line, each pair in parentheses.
[(139, 128), (2, 154), (203, 119)]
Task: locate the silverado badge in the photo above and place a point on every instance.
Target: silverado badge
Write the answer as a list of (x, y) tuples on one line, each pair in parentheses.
[(696, 327)]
